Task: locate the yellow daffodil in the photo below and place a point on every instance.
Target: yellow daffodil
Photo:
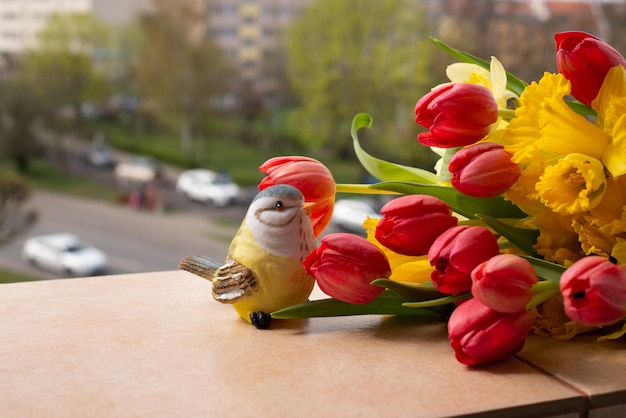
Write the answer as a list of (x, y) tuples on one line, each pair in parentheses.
[(611, 107), (557, 242), (590, 236), (576, 183)]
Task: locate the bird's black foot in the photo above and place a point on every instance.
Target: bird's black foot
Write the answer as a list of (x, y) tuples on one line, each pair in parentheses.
[(261, 320)]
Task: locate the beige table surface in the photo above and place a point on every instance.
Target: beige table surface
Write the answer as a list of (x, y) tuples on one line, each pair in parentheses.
[(158, 345)]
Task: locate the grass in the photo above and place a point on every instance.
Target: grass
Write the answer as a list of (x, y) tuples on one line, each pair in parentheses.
[(9, 276), (239, 158), (46, 176)]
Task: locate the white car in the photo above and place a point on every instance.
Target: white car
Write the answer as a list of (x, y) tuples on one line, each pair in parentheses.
[(208, 186), (64, 254), (349, 214)]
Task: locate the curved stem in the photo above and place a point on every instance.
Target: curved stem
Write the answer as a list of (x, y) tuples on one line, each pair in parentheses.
[(506, 113), (541, 297), (360, 188)]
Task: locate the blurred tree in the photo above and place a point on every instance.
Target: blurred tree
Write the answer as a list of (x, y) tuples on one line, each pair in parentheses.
[(179, 70), (15, 218), (350, 56), (62, 68), (19, 111)]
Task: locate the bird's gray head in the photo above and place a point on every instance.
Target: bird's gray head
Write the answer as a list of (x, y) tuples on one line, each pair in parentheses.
[(279, 191), (278, 221)]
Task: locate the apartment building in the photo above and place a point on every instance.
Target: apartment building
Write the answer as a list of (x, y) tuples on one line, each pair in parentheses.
[(21, 20), (520, 33), (249, 32)]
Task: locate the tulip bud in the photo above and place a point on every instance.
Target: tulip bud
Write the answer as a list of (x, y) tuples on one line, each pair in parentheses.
[(585, 60), (345, 264), (309, 176), (594, 291), (456, 252), (504, 283), (483, 170), (481, 335), (457, 114), (411, 223)]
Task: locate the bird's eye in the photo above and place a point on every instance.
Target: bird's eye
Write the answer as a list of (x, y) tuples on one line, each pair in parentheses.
[(278, 205)]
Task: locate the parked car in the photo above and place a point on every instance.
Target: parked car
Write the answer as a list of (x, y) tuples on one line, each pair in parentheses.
[(65, 254), (98, 156), (349, 214), (208, 186)]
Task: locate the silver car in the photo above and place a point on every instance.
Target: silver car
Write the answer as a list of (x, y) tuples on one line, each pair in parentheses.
[(65, 254), (208, 186)]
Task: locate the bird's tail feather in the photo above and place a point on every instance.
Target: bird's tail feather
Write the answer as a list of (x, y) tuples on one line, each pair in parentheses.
[(203, 267)]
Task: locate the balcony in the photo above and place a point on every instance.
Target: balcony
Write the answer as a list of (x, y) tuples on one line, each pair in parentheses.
[(157, 344)]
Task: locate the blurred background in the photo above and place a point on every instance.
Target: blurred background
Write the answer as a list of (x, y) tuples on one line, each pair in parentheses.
[(131, 131)]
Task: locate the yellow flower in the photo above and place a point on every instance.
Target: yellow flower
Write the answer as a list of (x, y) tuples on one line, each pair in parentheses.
[(591, 238), (523, 193), (545, 124), (610, 104), (557, 242), (404, 268), (576, 183)]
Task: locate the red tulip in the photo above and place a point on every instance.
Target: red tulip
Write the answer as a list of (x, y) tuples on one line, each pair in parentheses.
[(309, 176), (483, 170), (504, 283), (481, 335), (585, 60), (457, 114), (456, 252), (345, 264), (411, 223), (594, 291)]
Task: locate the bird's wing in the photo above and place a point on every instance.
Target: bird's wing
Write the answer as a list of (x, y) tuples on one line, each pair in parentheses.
[(203, 267), (233, 282)]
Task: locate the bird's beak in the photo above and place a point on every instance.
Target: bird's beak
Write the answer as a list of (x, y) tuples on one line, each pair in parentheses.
[(308, 207)]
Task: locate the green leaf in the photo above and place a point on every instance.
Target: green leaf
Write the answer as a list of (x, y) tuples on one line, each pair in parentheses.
[(513, 83), (381, 169), (411, 292), (388, 303), (522, 238), (547, 270), (581, 108), (464, 205)]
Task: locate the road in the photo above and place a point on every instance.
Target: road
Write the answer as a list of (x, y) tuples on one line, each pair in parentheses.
[(135, 241)]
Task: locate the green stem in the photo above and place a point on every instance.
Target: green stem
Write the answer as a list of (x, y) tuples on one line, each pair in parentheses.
[(544, 285), (541, 297), (360, 189), (437, 302), (506, 113)]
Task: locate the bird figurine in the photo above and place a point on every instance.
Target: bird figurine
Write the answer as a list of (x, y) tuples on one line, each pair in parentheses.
[(263, 271)]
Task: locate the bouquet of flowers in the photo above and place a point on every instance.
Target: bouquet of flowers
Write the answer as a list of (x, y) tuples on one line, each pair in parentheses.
[(526, 211)]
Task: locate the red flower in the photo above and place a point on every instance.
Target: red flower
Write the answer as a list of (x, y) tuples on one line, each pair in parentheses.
[(309, 176), (345, 264), (456, 252), (411, 223), (481, 335), (504, 282), (594, 291), (585, 60), (457, 114), (483, 170)]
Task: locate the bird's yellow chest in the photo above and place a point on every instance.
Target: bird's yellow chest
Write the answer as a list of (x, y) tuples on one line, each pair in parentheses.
[(281, 281)]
